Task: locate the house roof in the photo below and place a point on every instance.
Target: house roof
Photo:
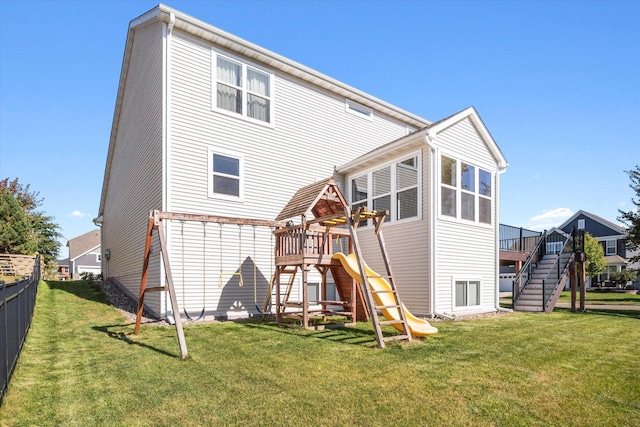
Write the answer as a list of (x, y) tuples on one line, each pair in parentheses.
[(204, 31), (427, 134), (83, 243), (616, 228), (615, 260), (321, 198)]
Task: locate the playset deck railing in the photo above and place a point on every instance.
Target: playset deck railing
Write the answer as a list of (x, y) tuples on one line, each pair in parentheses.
[(312, 241)]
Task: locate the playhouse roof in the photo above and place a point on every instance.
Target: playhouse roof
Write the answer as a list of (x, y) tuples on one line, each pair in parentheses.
[(321, 198)]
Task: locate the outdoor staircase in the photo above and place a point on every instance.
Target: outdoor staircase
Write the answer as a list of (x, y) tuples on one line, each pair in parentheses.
[(531, 296), (542, 278)]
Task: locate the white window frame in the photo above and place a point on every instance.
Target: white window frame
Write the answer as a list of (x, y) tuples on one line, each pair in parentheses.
[(607, 247), (393, 209), (210, 174), (454, 283), (459, 191), (244, 65), (359, 110)]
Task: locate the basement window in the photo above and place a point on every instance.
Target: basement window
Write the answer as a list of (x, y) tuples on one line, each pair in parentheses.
[(467, 293)]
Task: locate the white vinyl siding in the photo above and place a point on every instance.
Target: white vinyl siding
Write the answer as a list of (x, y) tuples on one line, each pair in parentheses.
[(410, 261), (135, 178), (276, 163), (456, 237)]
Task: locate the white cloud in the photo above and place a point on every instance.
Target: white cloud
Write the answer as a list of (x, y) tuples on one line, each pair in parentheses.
[(78, 214), (549, 219)]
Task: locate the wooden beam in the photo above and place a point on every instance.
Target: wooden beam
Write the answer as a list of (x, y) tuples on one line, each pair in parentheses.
[(220, 219), (145, 271)]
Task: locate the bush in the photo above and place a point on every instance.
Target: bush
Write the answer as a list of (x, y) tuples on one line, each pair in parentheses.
[(90, 277), (621, 278)]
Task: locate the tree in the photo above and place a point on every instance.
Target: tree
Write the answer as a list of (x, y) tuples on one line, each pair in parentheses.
[(631, 218), (596, 262), (42, 231), (16, 235), (621, 278)]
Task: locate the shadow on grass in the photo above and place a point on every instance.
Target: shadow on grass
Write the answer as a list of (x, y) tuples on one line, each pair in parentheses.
[(121, 336), (629, 314), (347, 335), (82, 289)]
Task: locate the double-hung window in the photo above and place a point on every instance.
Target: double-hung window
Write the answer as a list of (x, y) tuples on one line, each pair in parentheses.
[(465, 191), (225, 175), (611, 247), (243, 89), (393, 187)]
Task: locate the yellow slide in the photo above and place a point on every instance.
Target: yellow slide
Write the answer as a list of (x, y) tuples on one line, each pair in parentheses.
[(418, 327)]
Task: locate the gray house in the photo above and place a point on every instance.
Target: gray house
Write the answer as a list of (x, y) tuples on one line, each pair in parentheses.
[(85, 254)]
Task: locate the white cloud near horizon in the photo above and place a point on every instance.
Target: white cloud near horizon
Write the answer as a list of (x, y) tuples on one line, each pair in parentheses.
[(549, 219), (78, 214)]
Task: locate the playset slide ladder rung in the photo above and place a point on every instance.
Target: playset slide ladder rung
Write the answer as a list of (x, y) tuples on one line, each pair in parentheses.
[(368, 292)]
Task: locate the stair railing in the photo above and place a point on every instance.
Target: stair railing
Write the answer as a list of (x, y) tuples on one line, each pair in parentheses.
[(557, 272), (524, 275)]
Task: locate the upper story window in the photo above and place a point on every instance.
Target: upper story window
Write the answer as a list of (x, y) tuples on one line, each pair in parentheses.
[(225, 175), (358, 110), (611, 247), (465, 191), (393, 187), (243, 89)]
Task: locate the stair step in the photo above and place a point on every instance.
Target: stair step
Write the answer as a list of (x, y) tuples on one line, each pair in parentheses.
[(528, 308)]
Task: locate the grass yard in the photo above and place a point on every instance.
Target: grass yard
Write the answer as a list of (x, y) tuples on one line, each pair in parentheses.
[(594, 297), (81, 366)]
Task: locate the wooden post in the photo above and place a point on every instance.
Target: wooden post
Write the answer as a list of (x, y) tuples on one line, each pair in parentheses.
[(583, 284), (305, 296), (145, 271), (172, 291), (573, 284)]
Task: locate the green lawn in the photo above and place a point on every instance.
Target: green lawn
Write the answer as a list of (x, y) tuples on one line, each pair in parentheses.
[(81, 366), (593, 297)]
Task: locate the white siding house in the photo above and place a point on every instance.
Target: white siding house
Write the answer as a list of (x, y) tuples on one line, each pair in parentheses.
[(208, 123)]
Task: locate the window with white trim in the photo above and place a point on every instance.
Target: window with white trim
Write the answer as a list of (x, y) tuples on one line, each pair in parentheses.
[(225, 175), (611, 247), (358, 109), (242, 89), (393, 187), (467, 293), (465, 191)]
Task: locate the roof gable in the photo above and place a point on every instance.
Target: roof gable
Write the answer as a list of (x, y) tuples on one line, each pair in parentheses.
[(83, 243), (594, 225), (321, 198)]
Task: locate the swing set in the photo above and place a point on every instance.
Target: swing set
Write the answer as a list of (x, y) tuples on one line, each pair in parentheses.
[(155, 223)]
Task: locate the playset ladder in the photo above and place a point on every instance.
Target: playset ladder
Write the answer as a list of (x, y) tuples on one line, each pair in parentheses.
[(291, 271), (353, 220)]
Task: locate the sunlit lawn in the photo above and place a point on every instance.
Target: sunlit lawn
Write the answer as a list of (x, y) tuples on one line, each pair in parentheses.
[(82, 366)]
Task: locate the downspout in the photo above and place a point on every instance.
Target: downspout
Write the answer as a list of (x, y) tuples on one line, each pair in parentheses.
[(429, 137), (497, 304), (166, 136), (103, 260)]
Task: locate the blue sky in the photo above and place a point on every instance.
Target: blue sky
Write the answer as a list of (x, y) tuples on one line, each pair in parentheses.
[(556, 83)]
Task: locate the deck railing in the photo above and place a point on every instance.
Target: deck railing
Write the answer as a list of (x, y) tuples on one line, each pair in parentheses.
[(557, 272)]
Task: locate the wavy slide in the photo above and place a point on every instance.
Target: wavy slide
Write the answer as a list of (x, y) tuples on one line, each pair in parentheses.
[(418, 327)]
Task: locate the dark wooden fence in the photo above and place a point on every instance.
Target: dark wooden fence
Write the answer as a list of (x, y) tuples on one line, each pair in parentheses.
[(17, 301)]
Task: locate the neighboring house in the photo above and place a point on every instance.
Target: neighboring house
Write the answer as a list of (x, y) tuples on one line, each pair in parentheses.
[(85, 254), (611, 236), (207, 123), (63, 269)]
